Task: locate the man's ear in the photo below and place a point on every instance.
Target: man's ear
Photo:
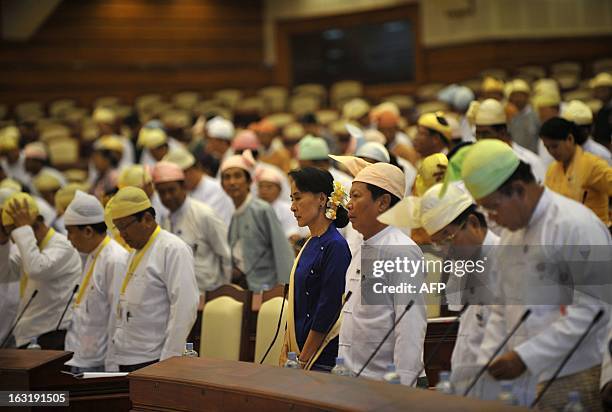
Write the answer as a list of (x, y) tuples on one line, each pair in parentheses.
[(384, 202)]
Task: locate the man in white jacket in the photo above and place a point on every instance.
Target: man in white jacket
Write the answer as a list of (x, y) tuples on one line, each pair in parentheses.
[(44, 261), (158, 296), (106, 260), (197, 225), (375, 189), (545, 233)]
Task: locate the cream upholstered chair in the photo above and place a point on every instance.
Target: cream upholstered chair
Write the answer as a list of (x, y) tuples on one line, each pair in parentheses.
[(432, 106), (537, 72), (106, 101), (63, 152), (299, 105), (186, 100), (566, 67), (267, 323), (343, 91), (58, 108), (497, 73), (229, 97), (429, 91), (275, 97), (602, 65), (29, 110), (312, 89), (225, 317)]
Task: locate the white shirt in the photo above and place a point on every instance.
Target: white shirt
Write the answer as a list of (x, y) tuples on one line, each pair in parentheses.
[(206, 234), (46, 210), (147, 159), (606, 366), (548, 334), (364, 326), (54, 272), (17, 170), (128, 156), (9, 301), (472, 326), (210, 192), (544, 155), (597, 149), (161, 212), (537, 165), (155, 314), (87, 335), (287, 219)]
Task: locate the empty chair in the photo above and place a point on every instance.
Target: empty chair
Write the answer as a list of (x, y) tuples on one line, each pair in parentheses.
[(145, 100), (254, 104), (313, 89), (342, 91), (537, 72), (53, 131), (497, 73), (602, 65), (432, 106), (429, 91), (186, 100), (229, 97), (565, 67), (403, 101), (225, 323), (578, 94), (275, 97), (106, 101), (301, 104), (29, 110), (63, 152), (58, 108), (326, 116), (267, 325), (176, 119), (280, 120)]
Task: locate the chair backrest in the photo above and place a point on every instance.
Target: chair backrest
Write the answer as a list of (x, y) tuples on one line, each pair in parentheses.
[(224, 332), (267, 323)]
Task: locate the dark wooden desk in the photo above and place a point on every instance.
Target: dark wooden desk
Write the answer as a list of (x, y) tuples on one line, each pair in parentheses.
[(37, 370), (204, 384)]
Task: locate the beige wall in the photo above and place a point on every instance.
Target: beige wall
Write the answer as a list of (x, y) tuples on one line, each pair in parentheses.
[(446, 22)]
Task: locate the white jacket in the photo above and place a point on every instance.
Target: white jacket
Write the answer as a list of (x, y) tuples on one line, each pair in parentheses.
[(210, 192), (606, 367), (538, 167), (206, 234), (155, 314), (9, 301), (552, 329), (87, 335), (364, 326), (471, 332), (54, 272)]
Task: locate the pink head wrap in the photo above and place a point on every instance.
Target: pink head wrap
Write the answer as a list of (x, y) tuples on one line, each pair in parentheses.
[(167, 172), (244, 161), (245, 139)]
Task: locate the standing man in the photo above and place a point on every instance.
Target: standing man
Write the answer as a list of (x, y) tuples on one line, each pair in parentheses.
[(602, 90), (200, 186), (106, 261), (375, 189), (543, 234), (43, 261), (158, 296), (197, 225), (489, 118), (523, 126)]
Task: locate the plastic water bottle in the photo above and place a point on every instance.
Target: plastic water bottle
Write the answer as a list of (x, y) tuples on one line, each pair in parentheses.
[(506, 395), (34, 344), (574, 404), (340, 369), (444, 384), (392, 376), (189, 352), (292, 362)]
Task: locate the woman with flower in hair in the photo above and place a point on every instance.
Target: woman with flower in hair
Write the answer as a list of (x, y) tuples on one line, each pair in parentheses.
[(317, 278)]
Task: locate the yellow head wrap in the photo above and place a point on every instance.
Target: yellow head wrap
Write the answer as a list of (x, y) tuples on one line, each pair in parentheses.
[(135, 175), (11, 184), (108, 142), (129, 201), (429, 167), (487, 165), (64, 196), (45, 181), (20, 198), (151, 138), (430, 121)]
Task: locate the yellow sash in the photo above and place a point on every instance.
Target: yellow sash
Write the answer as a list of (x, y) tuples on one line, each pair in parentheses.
[(137, 258), (23, 282), (290, 341), (87, 278)]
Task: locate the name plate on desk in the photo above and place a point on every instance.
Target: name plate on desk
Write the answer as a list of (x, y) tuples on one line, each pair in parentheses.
[(201, 384)]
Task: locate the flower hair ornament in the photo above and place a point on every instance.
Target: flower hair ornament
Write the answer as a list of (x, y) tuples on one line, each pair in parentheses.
[(338, 197)]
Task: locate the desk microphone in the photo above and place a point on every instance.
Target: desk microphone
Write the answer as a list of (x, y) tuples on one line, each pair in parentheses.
[(399, 319), (499, 348), (280, 319), (18, 318), (331, 325), (76, 288), (596, 318), (437, 347)]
